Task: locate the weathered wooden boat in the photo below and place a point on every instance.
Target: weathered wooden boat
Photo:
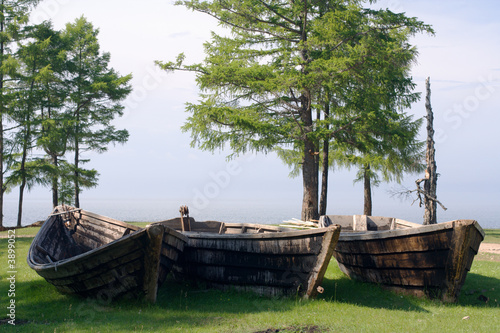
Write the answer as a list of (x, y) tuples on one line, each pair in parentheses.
[(268, 260), (417, 259), (87, 254)]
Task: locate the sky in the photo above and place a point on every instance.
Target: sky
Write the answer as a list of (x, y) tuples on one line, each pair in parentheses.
[(157, 163)]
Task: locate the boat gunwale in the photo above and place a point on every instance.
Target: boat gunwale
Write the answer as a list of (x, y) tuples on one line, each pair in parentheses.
[(278, 234), (418, 229)]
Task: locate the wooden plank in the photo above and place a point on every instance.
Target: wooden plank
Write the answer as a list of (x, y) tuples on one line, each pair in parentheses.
[(101, 269), (395, 260), (298, 262), (316, 275), (109, 220), (417, 243), (359, 223), (398, 277), (464, 236), (290, 245), (247, 276), (152, 261)]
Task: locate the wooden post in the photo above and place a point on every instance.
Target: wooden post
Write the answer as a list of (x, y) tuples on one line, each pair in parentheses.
[(152, 262), (359, 223), (185, 221)]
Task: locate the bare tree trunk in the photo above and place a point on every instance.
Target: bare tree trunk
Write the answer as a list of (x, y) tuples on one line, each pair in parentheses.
[(367, 191), (430, 183)]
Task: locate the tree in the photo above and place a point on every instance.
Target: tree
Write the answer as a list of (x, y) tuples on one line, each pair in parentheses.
[(55, 122), (262, 85), (404, 157), (33, 66), (13, 15), (95, 95), (429, 193)]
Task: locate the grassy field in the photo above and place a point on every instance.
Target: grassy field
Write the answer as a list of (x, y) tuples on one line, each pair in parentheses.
[(345, 306), (492, 236)]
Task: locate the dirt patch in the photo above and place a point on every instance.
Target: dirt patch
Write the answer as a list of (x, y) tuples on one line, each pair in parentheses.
[(296, 329), (489, 252), (489, 247)]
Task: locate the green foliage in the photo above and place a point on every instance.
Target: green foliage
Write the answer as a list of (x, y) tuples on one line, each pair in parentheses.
[(95, 93), (61, 97), (13, 18), (264, 85)]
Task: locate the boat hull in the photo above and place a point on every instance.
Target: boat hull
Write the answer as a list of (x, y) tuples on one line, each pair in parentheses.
[(421, 260), (267, 260), (95, 256)]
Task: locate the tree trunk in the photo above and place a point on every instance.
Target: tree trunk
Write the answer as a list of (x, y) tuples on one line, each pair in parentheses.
[(310, 165), (310, 183), (77, 175), (430, 183), (325, 167), (55, 184), (367, 191), (20, 207), (23, 181)]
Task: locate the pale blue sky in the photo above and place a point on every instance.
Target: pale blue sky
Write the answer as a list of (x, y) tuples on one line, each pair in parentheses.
[(157, 162)]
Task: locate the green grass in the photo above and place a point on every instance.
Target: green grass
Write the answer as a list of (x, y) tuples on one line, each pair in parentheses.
[(492, 236), (345, 306)]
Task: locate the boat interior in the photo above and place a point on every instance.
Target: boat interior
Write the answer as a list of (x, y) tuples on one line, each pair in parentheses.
[(75, 232), (360, 223), (188, 224)]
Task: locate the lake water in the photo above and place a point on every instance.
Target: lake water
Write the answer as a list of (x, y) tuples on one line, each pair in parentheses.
[(238, 211)]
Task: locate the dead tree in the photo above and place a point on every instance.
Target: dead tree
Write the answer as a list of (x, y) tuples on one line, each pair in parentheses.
[(428, 195)]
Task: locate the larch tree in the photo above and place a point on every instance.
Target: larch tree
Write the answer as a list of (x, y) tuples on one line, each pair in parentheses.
[(24, 110), (55, 122), (14, 15), (261, 84), (404, 157), (96, 93)]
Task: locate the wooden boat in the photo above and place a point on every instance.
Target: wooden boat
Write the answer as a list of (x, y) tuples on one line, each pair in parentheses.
[(87, 254), (430, 260), (268, 260)]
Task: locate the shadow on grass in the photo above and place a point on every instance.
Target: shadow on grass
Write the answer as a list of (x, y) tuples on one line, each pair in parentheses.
[(480, 290), (39, 304), (345, 290), (177, 295)]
